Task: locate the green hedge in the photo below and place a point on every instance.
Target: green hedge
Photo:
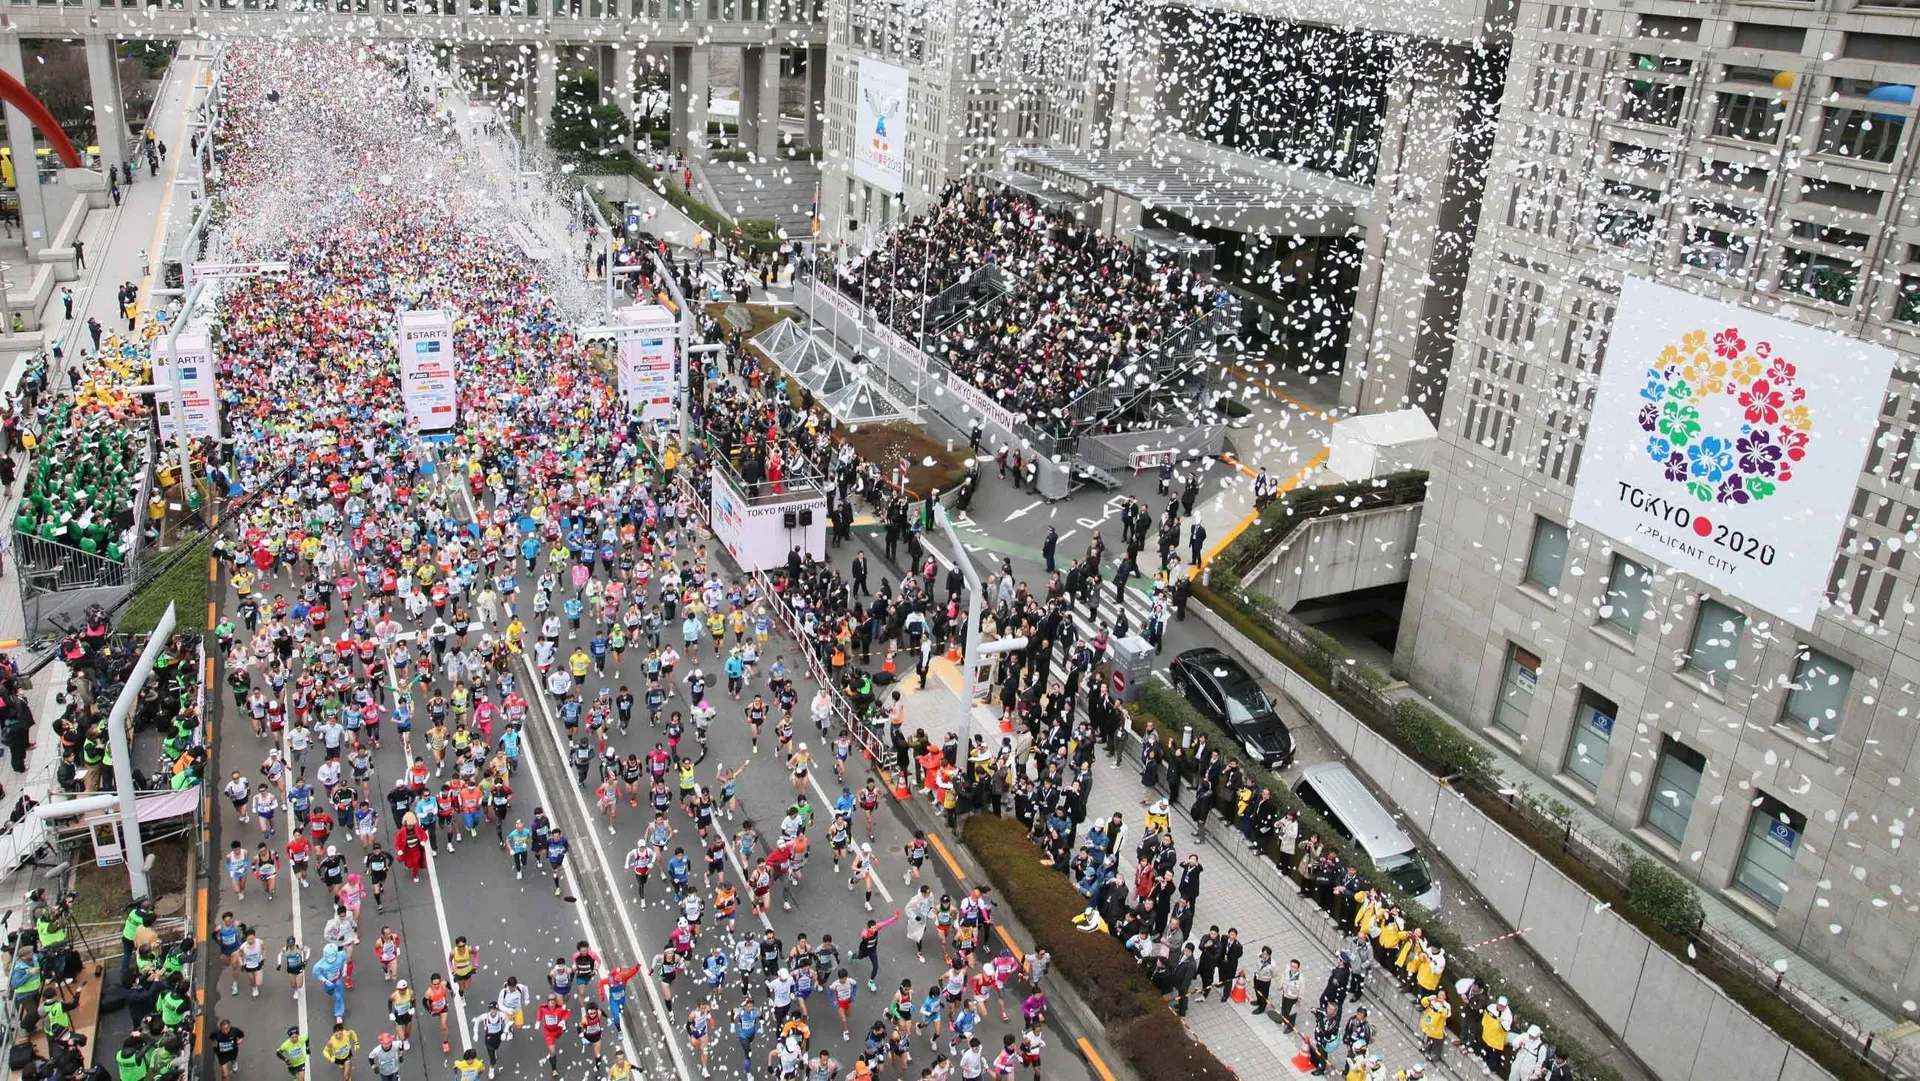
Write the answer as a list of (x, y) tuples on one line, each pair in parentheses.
[(1169, 713), (757, 234), (1113, 985), (183, 583), (1662, 895)]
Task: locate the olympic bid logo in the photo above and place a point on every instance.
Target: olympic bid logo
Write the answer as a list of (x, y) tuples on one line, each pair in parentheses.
[(1744, 466)]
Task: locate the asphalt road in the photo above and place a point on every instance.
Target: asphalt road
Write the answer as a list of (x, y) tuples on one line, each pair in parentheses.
[(520, 927)]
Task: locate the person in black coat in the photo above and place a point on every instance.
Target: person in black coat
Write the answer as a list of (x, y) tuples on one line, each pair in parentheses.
[(1182, 977), (1339, 978), (1231, 951), (1326, 1033), (1189, 878), (1202, 806), (1211, 949)]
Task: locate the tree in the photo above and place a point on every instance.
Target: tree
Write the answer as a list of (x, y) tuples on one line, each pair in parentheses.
[(581, 125)]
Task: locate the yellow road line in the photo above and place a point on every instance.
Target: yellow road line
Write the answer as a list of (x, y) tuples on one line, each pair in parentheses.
[(173, 174), (1099, 1067), (1238, 464), (1303, 407), (1300, 474), (947, 857), (1253, 516)]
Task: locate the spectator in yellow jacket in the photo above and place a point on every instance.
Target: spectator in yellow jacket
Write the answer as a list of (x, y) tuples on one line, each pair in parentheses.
[(1434, 1012)]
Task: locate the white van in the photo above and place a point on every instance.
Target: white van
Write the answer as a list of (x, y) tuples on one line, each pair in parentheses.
[(1336, 794)]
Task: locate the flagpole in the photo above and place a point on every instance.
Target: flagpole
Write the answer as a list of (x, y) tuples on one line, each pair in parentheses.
[(926, 271)]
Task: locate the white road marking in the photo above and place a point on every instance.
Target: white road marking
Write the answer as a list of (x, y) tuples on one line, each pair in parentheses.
[(439, 905), (640, 954)]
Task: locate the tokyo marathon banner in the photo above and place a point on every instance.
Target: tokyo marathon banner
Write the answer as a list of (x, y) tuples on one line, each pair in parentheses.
[(1727, 444), (191, 368), (428, 384), (647, 360), (758, 537), (880, 126), (976, 400)]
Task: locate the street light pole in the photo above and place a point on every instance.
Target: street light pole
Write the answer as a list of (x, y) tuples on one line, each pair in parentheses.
[(123, 754)]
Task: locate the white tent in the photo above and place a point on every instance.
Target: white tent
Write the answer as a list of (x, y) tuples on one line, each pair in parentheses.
[(828, 377), (858, 403), (1375, 444), (779, 337)]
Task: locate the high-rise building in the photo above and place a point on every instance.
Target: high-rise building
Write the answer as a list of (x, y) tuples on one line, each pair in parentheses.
[(1664, 557), (1323, 162)]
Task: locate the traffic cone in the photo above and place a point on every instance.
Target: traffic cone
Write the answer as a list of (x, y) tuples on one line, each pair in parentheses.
[(1006, 722), (901, 791), (887, 667), (953, 652), (1240, 987)]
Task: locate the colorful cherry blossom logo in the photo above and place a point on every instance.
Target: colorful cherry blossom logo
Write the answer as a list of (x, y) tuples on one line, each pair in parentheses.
[(1738, 467)]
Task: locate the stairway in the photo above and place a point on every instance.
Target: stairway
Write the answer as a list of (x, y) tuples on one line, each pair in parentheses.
[(781, 190)]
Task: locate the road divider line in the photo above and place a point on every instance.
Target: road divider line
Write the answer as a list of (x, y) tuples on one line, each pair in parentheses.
[(641, 956)]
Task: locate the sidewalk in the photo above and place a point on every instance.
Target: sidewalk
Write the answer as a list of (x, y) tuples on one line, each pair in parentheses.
[(115, 239), (1239, 892)]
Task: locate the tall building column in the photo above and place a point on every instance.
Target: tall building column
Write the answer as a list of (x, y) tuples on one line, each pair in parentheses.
[(621, 92), (690, 96), (109, 104), (816, 95), (760, 100), (26, 170), (546, 90)]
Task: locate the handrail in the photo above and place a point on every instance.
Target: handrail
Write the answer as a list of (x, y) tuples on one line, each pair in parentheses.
[(1157, 347)]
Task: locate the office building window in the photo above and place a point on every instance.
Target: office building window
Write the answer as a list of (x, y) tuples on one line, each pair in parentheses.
[(1766, 854), (1592, 734), (1675, 782), (1818, 694), (1519, 678), (1547, 560), (1629, 587), (1860, 135), (1716, 641), (1747, 117)]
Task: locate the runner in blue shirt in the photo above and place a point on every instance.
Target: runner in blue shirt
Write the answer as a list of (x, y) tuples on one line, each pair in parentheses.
[(556, 856), (677, 868), (746, 1025)]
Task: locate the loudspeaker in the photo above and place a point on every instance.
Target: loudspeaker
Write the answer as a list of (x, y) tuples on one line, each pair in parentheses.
[(806, 516), (787, 519)]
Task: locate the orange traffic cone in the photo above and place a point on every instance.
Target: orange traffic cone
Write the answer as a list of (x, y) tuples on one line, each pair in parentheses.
[(901, 791), (888, 666), (953, 652), (1006, 722), (1240, 987)]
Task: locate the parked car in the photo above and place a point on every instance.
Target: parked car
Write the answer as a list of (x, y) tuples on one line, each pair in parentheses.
[(1220, 687), (1337, 794)]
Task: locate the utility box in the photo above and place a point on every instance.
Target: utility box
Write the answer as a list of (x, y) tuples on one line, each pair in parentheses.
[(1132, 667)]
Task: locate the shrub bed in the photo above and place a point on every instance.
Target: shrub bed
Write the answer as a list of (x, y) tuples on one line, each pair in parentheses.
[(1113, 985)]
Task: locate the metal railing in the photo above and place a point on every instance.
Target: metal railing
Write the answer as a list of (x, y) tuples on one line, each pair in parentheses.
[(51, 565)]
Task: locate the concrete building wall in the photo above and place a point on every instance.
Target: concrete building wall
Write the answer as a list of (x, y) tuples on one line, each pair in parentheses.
[(1588, 184), (1339, 554)]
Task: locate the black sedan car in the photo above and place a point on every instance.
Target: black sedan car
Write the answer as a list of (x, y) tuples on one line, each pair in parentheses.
[(1224, 690)]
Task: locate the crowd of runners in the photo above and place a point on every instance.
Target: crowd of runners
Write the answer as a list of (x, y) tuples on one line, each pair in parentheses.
[(394, 593)]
